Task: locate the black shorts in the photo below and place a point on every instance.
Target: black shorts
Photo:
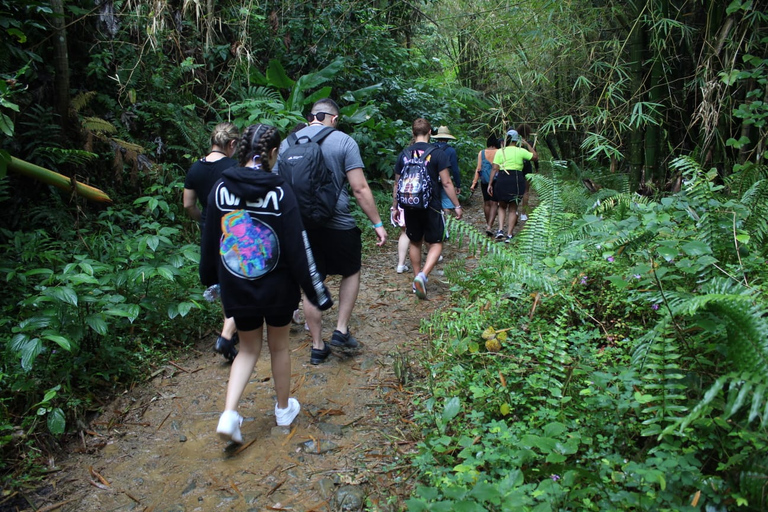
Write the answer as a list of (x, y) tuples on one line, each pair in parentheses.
[(509, 187), (253, 322), (336, 251), (484, 190), (424, 225)]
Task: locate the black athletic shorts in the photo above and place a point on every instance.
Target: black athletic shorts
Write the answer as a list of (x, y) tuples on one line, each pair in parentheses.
[(253, 322), (336, 251), (424, 225), (509, 187), (484, 190)]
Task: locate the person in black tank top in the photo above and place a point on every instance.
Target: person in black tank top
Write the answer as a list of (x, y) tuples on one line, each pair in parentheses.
[(197, 186)]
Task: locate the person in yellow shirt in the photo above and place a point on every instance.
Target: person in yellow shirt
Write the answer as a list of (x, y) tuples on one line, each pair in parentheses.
[(509, 187)]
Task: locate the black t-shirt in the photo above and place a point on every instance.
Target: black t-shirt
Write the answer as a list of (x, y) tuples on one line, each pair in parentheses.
[(202, 176), (438, 161)]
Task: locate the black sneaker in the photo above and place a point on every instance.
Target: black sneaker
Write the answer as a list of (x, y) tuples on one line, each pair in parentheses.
[(344, 340), (226, 348), (318, 356)]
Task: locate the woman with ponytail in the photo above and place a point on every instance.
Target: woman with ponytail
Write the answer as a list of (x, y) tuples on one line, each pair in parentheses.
[(254, 246), (197, 185)]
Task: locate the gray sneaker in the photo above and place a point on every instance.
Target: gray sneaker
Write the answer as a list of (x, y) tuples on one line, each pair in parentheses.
[(344, 340)]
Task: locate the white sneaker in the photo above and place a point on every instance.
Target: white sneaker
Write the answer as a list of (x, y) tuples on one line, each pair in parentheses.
[(229, 427), (523, 216), (286, 416), (402, 268)]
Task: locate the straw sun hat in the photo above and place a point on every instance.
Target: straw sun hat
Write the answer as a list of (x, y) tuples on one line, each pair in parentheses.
[(443, 133)]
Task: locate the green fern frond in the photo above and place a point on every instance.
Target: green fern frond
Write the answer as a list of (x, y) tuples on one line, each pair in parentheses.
[(663, 395), (130, 146), (756, 201), (81, 100), (752, 480), (478, 241), (98, 125), (513, 272), (611, 204), (743, 388), (745, 176), (550, 374)]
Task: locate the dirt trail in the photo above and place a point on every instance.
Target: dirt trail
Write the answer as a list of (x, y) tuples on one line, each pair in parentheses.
[(155, 448)]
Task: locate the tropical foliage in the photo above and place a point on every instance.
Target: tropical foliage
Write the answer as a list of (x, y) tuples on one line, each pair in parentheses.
[(630, 328), (625, 369)]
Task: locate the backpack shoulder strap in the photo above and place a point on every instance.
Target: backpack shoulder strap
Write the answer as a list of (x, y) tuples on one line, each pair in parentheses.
[(322, 134), (292, 139), (426, 153), (484, 158)]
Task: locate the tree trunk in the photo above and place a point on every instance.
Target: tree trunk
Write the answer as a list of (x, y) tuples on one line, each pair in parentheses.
[(652, 139), (636, 52), (60, 62)]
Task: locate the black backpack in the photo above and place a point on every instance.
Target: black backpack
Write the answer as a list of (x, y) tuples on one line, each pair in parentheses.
[(414, 189), (303, 166)]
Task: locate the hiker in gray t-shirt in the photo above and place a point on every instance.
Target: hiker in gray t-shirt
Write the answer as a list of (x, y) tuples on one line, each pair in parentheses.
[(337, 246)]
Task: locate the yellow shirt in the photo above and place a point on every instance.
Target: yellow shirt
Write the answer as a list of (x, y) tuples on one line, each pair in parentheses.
[(511, 158)]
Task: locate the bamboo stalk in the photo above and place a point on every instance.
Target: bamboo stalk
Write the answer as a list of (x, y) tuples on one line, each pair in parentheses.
[(57, 180)]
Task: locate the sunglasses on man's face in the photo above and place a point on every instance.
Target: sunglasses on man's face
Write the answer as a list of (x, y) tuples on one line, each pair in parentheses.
[(320, 116)]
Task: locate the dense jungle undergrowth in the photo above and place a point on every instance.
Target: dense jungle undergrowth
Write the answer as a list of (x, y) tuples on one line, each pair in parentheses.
[(614, 356)]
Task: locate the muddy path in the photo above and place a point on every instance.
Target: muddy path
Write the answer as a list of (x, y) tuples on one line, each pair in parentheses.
[(155, 447)]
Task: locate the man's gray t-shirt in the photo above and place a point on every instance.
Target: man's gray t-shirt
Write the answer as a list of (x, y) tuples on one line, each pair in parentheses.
[(341, 155)]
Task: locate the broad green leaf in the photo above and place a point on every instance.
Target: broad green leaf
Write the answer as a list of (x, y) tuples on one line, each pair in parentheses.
[(59, 340), (484, 491), (545, 444), (696, 248), (452, 409), (618, 282), (554, 429), (319, 94), (50, 395), (165, 272), (185, 308), (428, 493), (29, 351), (153, 242), (276, 75), (56, 421), (6, 125), (96, 322), (555, 458), (64, 294), (668, 253)]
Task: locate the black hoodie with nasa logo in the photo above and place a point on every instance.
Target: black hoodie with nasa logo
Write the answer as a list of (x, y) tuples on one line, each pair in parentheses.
[(255, 247)]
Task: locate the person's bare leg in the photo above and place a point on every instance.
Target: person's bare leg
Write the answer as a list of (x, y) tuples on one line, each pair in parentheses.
[(280, 356), (242, 366), (524, 203), (487, 214), (402, 247), (414, 252), (433, 256), (348, 289), (511, 218), (494, 210), (228, 329), (502, 215), (314, 319)]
